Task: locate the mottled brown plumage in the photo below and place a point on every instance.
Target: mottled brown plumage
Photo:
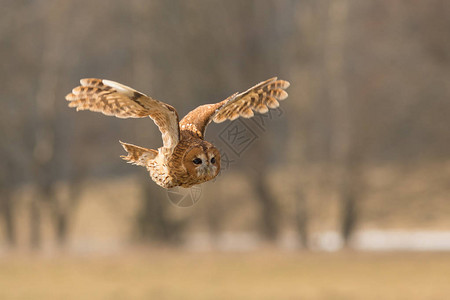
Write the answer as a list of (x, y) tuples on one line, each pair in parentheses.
[(185, 159)]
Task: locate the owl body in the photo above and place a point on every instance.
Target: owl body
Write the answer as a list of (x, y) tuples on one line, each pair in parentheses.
[(185, 159)]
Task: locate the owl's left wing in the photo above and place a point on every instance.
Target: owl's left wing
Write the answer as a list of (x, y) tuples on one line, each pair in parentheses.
[(115, 99), (258, 98)]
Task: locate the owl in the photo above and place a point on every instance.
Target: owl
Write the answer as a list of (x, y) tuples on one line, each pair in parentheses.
[(185, 159)]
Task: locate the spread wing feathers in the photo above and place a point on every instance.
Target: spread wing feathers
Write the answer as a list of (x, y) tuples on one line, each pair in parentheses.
[(258, 98), (138, 155), (115, 99)]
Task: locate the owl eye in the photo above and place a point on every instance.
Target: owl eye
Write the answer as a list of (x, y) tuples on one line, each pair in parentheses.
[(197, 161), (213, 160)]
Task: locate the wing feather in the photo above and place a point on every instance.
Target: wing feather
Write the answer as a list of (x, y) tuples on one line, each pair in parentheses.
[(115, 99), (259, 98)]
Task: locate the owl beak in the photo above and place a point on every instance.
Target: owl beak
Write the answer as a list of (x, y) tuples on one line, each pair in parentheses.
[(202, 170), (206, 170), (212, 170), (209, 170)]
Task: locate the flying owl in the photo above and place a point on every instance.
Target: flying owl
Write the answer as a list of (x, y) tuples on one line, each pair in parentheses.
[(185, 159)]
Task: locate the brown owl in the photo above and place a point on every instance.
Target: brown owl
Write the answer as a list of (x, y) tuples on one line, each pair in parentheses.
[(185, 159)]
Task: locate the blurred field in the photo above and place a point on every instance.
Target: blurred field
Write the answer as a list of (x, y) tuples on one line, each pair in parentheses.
[(263, 275)]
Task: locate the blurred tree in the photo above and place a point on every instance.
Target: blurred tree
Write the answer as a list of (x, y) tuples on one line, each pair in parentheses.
[(342, 144), (44, 151), (8, 182), (301, 217), (154, 220)]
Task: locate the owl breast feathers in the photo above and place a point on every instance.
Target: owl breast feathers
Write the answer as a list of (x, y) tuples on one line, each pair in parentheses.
[(185, 159)]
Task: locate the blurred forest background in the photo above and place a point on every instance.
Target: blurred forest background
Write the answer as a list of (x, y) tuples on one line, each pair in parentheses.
[(362, 142), (357, 158)]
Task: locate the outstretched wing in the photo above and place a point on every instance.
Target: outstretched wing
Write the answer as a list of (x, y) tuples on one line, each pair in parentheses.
[(258, 98), (115, 99)]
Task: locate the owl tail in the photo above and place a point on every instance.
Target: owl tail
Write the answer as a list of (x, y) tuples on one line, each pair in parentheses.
[(138, 155)]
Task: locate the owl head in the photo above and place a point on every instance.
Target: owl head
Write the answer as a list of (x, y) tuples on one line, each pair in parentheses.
[(202, 161)]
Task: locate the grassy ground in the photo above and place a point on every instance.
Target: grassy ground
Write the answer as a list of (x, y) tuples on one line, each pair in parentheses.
[(261, 275)]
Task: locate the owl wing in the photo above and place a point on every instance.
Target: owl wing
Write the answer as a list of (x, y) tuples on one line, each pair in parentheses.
[(258, 98), (115, 99)]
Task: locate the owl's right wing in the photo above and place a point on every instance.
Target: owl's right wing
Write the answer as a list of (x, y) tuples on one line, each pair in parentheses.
[(115, 99), (258, 98)]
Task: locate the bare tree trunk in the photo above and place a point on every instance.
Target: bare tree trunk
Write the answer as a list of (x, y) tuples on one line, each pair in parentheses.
[(301, 216), (61, 228), (348, 211), (8, 179), (349, 197), (45, 118), (344, 150), (35, 224), (63, 209), (268, 206), (215, 211), (6, 208), (153, 221)]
